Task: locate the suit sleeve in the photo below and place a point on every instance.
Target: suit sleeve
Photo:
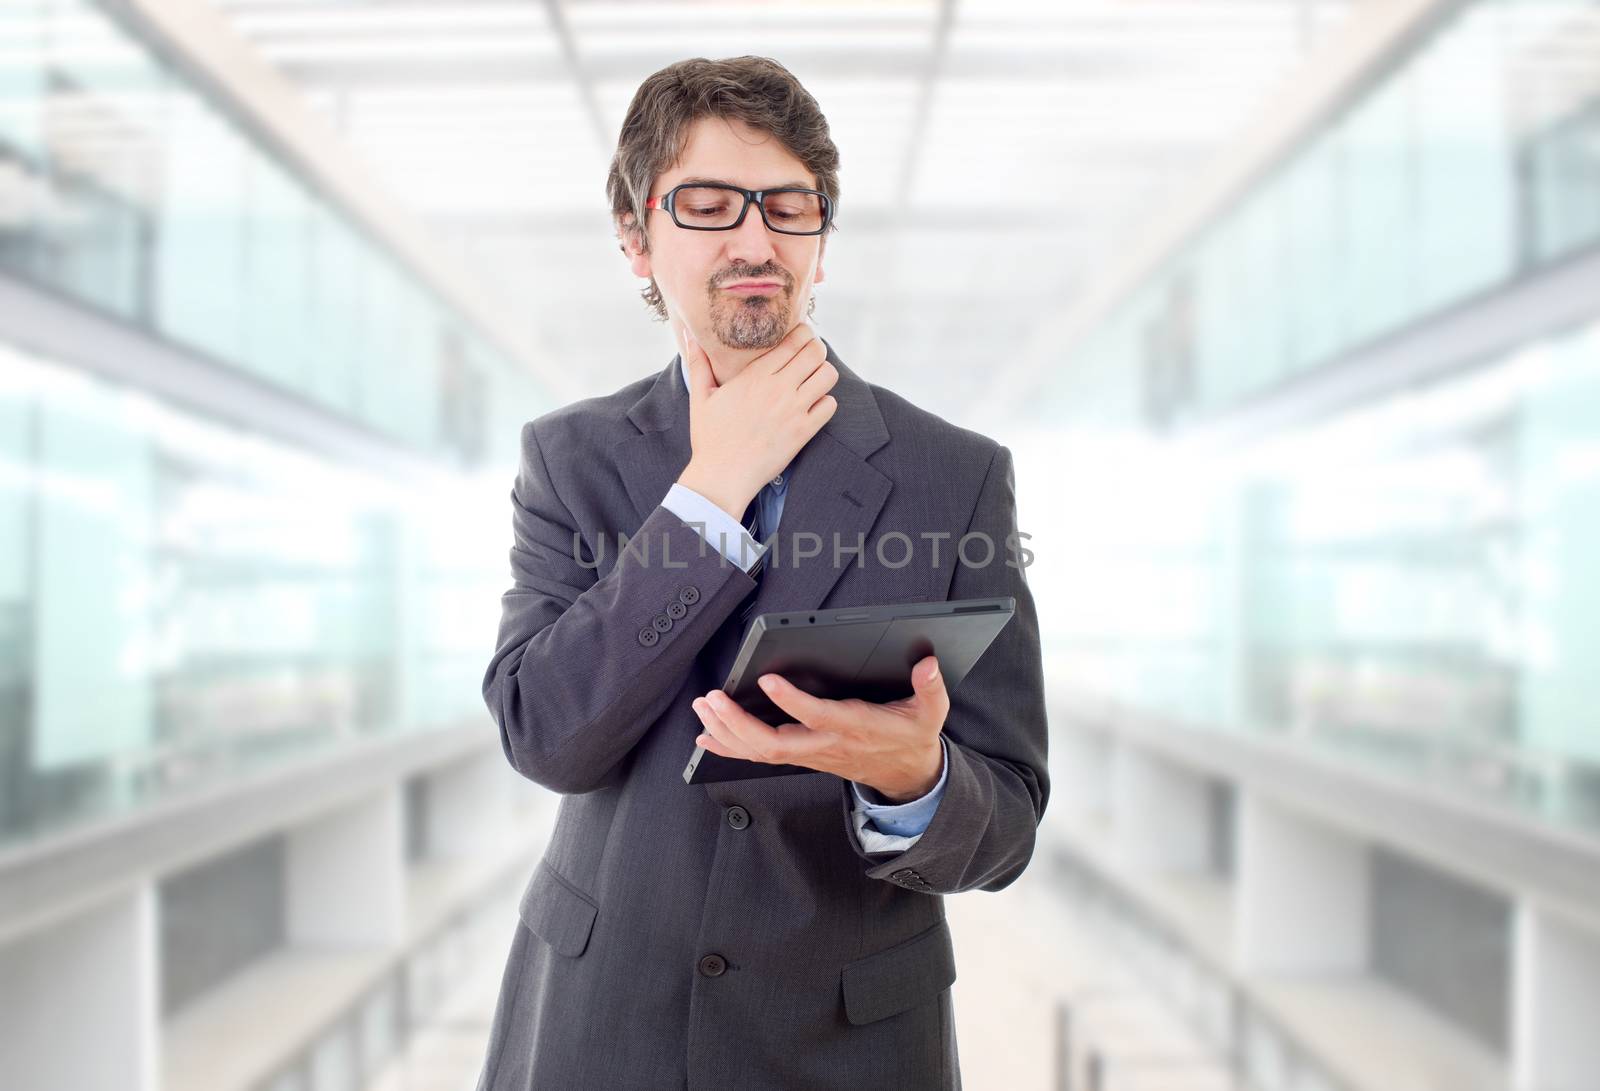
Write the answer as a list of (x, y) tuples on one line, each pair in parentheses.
[(996, 782), (585, 663)]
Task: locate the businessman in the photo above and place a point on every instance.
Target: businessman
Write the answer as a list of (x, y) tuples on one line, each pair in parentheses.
[(779, 932)]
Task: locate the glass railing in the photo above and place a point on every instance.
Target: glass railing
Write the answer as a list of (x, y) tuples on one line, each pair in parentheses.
[(1259, 1051)]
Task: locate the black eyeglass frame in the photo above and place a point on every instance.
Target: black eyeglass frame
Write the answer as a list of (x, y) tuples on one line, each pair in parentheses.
[(757, 197)]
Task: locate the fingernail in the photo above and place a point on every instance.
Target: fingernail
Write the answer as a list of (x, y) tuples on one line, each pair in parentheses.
[(767, 681)]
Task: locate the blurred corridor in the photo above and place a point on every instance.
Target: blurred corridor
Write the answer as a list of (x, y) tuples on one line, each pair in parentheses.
[(1288, 309)]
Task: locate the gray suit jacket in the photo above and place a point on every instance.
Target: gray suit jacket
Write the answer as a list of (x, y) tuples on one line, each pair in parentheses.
[(735, 935)]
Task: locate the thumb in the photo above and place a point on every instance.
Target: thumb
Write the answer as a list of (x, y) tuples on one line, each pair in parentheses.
[(930, 698), (702, 380)]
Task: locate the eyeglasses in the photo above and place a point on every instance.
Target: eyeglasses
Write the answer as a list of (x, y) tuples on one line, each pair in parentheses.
[(710, 206)]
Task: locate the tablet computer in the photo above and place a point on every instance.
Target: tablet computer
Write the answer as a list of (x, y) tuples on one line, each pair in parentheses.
[(859, 651)]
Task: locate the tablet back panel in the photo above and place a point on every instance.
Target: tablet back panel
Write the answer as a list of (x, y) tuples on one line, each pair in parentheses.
[(865, 652)]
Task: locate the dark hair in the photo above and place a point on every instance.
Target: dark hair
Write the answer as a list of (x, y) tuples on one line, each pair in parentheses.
[(755, 90)]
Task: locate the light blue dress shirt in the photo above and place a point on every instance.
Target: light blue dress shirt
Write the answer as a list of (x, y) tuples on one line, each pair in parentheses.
[(880, 827)]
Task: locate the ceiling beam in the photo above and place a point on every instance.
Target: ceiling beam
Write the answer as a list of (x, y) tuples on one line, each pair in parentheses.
[(992, 65), (580, 76), (1362, 50), (894, 222)]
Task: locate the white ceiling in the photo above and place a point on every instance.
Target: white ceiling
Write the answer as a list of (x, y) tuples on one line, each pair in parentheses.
[(994, 154)]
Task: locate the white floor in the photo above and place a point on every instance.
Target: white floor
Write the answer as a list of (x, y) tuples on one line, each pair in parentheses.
[(1019, 955)]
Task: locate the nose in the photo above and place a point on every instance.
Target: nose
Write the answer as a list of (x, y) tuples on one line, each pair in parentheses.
[(751, 243)]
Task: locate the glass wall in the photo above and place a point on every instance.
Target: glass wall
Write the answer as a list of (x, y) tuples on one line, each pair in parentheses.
[(125, 188), (1410, 583), (180, 602), (1473, 161)]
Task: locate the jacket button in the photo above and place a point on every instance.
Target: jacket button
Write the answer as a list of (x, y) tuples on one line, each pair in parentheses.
[(676, 610), (713, 966), (648, 637), (689, 595), (738, 817), (661, 623)]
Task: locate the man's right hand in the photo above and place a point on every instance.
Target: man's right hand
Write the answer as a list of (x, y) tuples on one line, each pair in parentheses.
[(744, 432)]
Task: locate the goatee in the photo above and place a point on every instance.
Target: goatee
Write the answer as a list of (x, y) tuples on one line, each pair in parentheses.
[(754, 322)]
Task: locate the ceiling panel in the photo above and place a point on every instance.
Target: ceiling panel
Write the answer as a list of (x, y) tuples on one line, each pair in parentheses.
[(993, 154)]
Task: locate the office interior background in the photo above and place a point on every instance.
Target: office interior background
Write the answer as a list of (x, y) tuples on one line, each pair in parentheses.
[(1289, 309)]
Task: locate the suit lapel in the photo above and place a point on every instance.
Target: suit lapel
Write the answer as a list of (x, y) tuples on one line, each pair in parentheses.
[(833, 489), (652, 460)]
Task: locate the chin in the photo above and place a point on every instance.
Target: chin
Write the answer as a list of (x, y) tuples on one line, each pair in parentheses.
[(751, 324)]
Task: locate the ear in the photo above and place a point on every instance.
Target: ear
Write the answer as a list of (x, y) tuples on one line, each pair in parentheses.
[(821, 246), (632, 242)]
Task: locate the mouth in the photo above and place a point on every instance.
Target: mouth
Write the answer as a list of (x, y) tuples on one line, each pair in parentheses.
[(752, 287)]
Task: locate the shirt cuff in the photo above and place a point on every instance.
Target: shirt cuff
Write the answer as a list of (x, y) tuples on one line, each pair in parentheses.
[(715, 525), (895, 827)]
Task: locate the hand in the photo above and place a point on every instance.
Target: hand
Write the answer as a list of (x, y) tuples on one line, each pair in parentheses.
[(745, 431), (891, 747)]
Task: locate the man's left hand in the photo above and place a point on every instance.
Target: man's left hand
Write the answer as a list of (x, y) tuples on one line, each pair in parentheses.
[(891, 747)]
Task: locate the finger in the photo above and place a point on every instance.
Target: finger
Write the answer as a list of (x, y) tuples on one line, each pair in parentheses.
[(822, 410), (752, 735), (818, 383), (778, 356), (724, 743), (806, 359), (802, 744), (927, 682), (811, 711), (710, 745), (702, 380)]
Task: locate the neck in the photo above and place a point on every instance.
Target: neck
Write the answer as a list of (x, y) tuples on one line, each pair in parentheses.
[(726, 363)]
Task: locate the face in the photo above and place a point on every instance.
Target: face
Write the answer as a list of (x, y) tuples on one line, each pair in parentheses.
[(695, 270)]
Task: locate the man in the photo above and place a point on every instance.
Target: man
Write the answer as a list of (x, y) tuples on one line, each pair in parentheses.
[(779, 932)]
